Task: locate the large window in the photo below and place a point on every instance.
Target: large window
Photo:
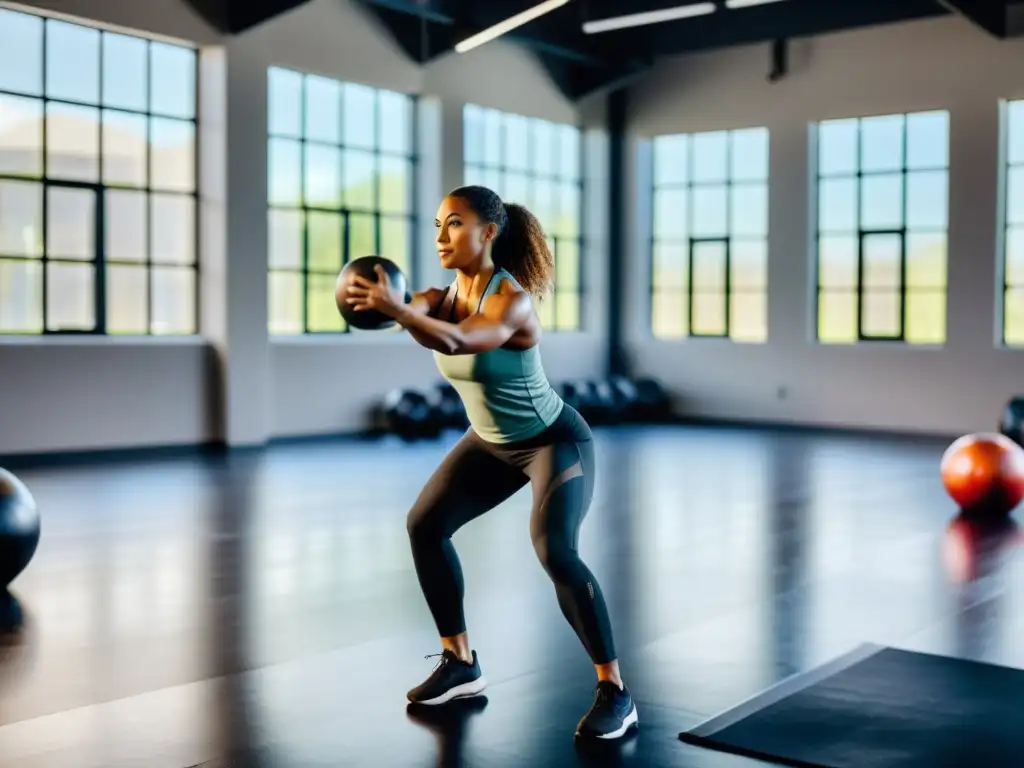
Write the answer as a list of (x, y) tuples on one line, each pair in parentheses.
[(97, 181), (341, 180), (882, 218), (1013, 256), (538, 164), (709, 267)]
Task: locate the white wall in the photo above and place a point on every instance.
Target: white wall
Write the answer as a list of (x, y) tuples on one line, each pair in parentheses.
[(943, 63), (236, 383)]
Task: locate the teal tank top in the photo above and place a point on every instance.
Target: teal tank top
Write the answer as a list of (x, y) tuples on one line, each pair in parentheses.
[(506, 393)]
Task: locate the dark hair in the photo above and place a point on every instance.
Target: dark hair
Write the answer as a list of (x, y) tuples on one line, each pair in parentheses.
[(520, 246)]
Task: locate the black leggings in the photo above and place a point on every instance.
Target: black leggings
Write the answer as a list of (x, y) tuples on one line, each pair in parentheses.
[(475, 477)]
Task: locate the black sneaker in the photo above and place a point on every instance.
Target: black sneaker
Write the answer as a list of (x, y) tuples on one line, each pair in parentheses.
[(612, 715), (452, 678)]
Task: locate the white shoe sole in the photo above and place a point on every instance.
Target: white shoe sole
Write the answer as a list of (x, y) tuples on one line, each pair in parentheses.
[(631, 720), (458, 692)]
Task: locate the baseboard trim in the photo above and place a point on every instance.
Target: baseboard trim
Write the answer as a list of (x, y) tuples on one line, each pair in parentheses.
[(42, 459)]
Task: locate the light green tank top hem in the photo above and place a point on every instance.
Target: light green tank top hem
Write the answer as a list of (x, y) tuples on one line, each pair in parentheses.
[(506, 393)]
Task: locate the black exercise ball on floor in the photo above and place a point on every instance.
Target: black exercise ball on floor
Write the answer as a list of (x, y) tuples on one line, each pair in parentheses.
[(19, 527), (370, 319)]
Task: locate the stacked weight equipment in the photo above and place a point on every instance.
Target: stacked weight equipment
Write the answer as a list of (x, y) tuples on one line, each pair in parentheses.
[(416, 415)]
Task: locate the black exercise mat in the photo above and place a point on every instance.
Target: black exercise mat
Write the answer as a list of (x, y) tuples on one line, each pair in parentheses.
[(880, 707)]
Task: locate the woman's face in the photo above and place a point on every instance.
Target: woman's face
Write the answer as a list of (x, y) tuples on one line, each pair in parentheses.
[(462, 236)]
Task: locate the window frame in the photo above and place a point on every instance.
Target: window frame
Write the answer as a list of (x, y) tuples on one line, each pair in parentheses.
[(100, 260), (482, 167), (689, 241), (1007, 226), (859, 234), (412, 217)]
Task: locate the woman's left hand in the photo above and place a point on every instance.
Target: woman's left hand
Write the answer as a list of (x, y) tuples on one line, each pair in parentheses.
[(364, 294)]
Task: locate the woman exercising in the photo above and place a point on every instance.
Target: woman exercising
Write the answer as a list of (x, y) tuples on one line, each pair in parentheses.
[(485, 335)]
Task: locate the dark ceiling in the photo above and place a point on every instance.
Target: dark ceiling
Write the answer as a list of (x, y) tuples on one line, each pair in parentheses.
[(581, 64)]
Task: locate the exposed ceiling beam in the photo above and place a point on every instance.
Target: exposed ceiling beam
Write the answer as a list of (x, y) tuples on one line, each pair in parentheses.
[(989, 15), (231, 17)]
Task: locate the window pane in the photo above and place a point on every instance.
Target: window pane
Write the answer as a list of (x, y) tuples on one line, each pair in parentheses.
[(395, 242), (543, 149), (21, 135), (926, 317), (359, 171), (125, 67), (359, 115), (709, 313), (493, 137), (569, 152), (125, 225), (173, 221), (323, 176), (321, 307), (926, 261), (569, 208), (669, 314), (1013, 317), (285, 291), (284, 230), (749, 160), (748, 319), (517, 143), (284, 171), (928, 140), (749, 265), (881, 202), (1014, 268), (567, 311), (72, 142), (174, 290), (472, 135), (671, 159), (70, 298), (1014, 133), (21, 52), (927, 196), (710, 157), (362, 235), (325, 244), (395, 185), (284, 102), (749, 210), (172, 80), (323, 110), (880, 313), (567, 265), (127, 298), (837, 317), (881, 143), (72, 62), (546, 312), (671, 268), (544, 208), (124, 149), (710, 211), (71, 223), (837, 261), (517, 189), (882, 261), (396, 117), (709, 267), (1015, 196), (837, 205), (172, 158), (837, 147), (21, 293), (21, 218)]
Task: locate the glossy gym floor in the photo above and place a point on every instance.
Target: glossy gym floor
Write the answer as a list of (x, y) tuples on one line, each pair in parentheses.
[(260, 609)]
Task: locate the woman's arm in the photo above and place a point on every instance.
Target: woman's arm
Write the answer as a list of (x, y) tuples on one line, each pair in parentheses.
[(498, 320), (423, 304)]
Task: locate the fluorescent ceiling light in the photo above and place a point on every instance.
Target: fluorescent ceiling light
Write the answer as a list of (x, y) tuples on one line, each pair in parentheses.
[(508, 25), (747, 3), (648, 17)]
